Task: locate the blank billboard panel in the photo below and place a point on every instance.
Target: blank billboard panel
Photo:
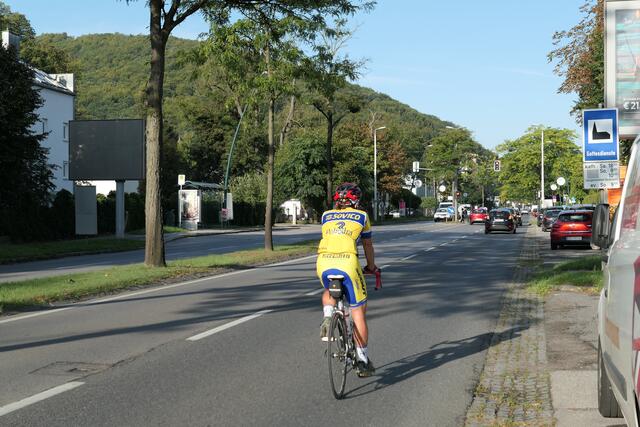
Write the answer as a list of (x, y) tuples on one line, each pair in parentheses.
[(106, 149)]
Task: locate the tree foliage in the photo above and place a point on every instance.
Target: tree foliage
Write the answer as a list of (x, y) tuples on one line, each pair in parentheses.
[(25, 174), (521, 164), (579, 57)]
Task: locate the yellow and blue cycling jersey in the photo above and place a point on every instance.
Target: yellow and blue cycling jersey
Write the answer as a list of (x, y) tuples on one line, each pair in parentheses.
[(338, 254)]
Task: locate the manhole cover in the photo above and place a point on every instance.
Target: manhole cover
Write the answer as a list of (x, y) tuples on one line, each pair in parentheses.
[(71, 368)]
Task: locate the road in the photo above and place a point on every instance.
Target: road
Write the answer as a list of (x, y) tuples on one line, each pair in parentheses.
[(243, 348), (176, 249)]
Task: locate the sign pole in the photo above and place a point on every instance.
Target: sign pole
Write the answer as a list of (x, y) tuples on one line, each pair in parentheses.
[(542, 169), (120, 209)]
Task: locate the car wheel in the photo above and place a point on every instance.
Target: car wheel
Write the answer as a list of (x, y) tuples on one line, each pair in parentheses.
[(607, 403), (486, 231), (554, 246)]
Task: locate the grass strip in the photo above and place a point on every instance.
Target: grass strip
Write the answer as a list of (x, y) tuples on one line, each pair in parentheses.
[(584, 273), (16, 296), (166, 229), (45, 250)]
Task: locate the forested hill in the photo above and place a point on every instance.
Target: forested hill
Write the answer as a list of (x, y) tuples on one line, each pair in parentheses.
[(112, 70)]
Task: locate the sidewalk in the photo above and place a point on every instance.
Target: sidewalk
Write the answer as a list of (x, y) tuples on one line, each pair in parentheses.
[(541, 366)]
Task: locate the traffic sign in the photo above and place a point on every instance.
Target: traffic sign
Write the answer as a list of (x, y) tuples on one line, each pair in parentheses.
[(601, 175), (600, 135), (417, 183)]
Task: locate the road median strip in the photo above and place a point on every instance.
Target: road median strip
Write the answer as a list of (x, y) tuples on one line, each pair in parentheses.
[(43, 292)]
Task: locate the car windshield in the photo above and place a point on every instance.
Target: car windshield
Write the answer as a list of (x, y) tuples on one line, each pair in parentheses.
[(500, 214), (575, 217), (552, 214), (479, 211)]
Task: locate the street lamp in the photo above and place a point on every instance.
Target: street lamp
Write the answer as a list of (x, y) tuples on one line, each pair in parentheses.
[(561, 182), (375, 171)]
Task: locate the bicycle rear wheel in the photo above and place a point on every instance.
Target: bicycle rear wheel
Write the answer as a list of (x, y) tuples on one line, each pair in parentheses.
[(337, 355)]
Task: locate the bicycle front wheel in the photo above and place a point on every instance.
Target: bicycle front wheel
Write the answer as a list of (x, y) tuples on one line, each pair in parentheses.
[(337, 355)]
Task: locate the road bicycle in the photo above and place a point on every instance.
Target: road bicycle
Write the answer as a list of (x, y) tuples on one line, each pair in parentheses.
[(341, 346)]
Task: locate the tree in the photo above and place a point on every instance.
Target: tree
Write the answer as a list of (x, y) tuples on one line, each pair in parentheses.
[(579, 57), (25, 174), (521, 163), (47, 57), (300, 170), (326, 75), (15, 22)]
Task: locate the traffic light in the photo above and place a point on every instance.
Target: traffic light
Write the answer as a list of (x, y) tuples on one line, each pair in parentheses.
[(496, 165), (457, 194)]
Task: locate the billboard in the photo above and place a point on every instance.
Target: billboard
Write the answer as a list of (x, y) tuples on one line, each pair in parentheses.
[(190, 205), (106, 149), (622, 71)]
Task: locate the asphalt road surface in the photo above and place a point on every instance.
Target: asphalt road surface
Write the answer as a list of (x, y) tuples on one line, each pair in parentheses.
[(243, 348), (176, 249)]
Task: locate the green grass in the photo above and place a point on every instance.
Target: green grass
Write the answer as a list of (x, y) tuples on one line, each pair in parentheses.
[(585, 273), (44, 291), (34, 251)]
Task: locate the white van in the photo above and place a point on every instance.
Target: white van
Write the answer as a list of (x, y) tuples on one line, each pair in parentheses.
[(619, 305)]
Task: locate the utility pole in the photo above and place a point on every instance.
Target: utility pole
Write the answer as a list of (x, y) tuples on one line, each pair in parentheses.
[(542, 170)]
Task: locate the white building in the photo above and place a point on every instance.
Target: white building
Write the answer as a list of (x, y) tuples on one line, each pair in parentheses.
[(58, 108)]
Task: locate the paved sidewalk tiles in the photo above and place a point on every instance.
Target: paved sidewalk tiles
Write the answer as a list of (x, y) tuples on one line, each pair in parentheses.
[(514, 387)]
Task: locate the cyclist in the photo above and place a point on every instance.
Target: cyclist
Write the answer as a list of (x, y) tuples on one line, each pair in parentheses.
[(342, 227)]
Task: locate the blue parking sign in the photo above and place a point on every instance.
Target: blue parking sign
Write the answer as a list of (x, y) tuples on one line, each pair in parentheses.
[(600, 135)]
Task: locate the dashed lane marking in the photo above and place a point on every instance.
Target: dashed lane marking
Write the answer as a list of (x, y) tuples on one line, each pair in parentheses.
[(316, 292), (408, 257), (226, 326), (4, 410)]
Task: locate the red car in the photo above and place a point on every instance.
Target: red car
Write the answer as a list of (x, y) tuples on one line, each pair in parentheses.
[(478, 215), (572, 228)]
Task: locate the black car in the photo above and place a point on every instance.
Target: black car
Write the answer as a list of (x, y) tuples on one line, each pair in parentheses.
[(500, 220), (550, 216)]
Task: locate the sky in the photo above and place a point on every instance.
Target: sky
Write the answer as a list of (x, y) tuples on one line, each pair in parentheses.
[(480, 64)]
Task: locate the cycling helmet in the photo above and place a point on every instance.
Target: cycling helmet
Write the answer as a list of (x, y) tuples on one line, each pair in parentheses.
[(347, 194)]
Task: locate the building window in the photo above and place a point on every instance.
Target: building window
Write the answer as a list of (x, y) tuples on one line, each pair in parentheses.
[(65, 170), (44, 125), (65, 131)]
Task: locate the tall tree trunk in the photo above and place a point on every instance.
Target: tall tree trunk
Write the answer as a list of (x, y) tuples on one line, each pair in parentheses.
[(329, 160), (154, 241), (268, 232), (288, 121)]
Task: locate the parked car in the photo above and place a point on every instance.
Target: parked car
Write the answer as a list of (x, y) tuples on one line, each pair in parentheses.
[(619, 304), (571, 228), (549, 217), (500, 220), (478, 215), (442, 214)]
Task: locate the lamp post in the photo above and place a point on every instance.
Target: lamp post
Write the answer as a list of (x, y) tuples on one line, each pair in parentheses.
[(542, 170), (375, 171), (561, 182)]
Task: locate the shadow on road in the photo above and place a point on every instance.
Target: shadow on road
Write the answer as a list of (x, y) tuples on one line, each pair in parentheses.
[(437, 355)]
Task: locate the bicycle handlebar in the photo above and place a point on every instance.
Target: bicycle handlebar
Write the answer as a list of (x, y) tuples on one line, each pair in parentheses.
[(378, 274)]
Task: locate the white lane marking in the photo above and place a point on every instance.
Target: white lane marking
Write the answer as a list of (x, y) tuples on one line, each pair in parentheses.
[(148, 291), (4, 410), (221, 328), (443, 244), (408, 257), (430, 249), (463, 237), (316, 292), (384, 266)]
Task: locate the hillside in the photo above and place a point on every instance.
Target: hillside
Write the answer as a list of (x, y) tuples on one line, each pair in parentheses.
[(113, 69)]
